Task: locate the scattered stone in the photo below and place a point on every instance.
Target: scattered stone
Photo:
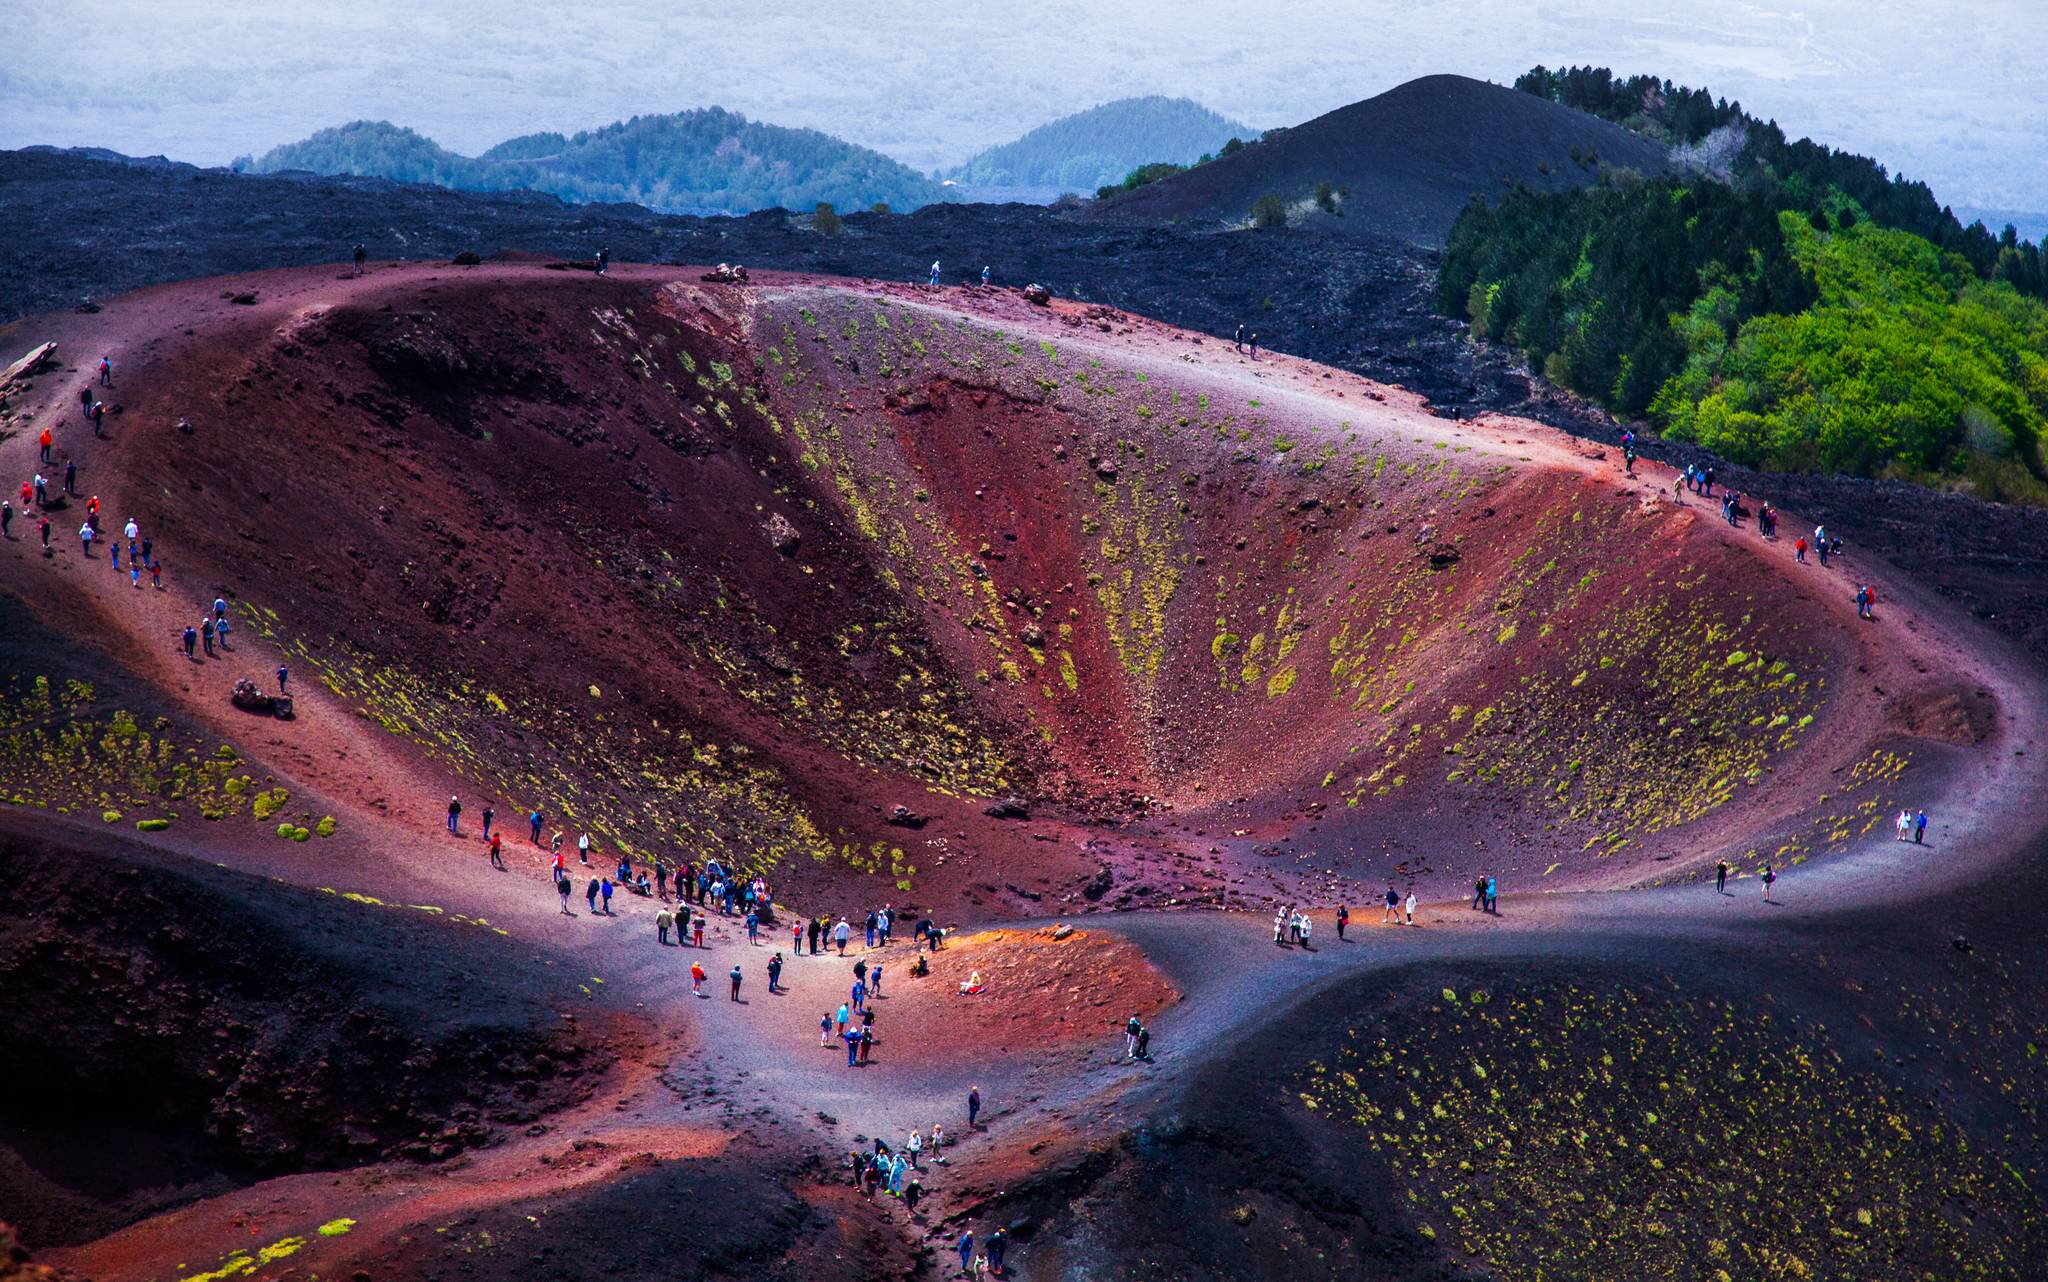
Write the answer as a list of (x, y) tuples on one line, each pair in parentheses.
[(782, 535), (1037, 295), (1007, 808), (905, 817), (1443, 556), (1061, 931), (468, 258)]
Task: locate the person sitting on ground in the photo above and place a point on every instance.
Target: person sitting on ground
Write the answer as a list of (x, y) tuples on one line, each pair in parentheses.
[(972, 984)]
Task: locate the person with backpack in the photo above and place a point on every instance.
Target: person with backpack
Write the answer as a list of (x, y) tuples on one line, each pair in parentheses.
[(562, 888), (1131, 1027), (106, 371), (205, 627), (774, 972), (1478, 893), (1769, 876), (590, 896), (735, 974)]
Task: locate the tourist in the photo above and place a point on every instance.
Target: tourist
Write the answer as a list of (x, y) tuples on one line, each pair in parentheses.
[(973, 1105), (735, 981), (1768, 877), (454, 814), (1411, 908), (1131, 1027), (774, 971), (1492, 886), (697, 978), (1919, 827), (1343, 920), (1721, 877), (1392, 910), (663, 920)]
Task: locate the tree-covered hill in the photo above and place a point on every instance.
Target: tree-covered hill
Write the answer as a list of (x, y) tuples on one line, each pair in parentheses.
[(1789, 305), (1102, 144), (709, 159)]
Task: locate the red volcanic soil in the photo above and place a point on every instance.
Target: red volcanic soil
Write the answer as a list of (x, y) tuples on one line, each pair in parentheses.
[(989, 611), (1038, 988)]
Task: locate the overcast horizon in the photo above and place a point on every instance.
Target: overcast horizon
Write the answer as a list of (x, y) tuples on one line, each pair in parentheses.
[(1957, 104)]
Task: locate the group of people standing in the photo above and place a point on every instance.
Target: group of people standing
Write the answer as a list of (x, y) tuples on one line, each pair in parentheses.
[(1291, 926)]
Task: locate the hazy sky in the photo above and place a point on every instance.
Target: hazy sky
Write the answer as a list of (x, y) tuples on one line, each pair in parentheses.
[(1957, 95)]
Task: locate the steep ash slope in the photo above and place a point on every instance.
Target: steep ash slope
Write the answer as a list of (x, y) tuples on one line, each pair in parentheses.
[(1409, 160)]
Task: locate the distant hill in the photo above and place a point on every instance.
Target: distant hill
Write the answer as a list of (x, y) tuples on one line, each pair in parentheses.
[(705, 160), (1100, 145), (1403, 163)]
